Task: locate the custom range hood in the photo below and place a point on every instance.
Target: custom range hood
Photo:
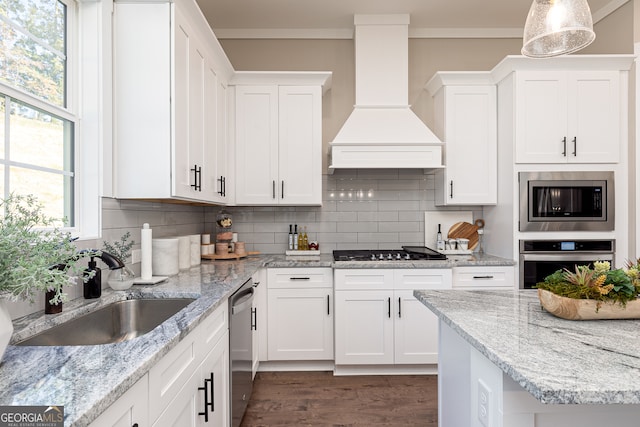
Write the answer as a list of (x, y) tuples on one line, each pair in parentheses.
[(382, 131)]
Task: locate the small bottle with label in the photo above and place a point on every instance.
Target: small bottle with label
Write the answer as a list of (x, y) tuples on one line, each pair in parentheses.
[(439, 240), (305, 239), (290, 245), (295, 238)]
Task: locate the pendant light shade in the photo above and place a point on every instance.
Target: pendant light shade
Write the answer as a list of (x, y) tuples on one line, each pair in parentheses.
[(557, 27)]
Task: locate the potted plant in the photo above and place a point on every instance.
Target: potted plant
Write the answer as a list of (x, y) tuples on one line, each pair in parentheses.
[(596, 292), (37, 257)]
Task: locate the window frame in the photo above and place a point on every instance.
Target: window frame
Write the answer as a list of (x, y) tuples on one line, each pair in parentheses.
[(88, 102)]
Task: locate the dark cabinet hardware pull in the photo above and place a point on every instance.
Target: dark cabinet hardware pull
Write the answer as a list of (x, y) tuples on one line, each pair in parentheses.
[(575, 146), (328, 306), (255, 284), (300, 278), (212, 392), (206, 401), (564, 146), (389, 307), (223, 186), (273, 189), (451, 190), (135, 425), (197, 177), (399, 306), (282, 193), (483, 277), (254, 319)]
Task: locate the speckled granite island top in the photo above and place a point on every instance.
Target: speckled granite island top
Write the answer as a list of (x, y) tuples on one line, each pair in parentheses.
[(556, 360)]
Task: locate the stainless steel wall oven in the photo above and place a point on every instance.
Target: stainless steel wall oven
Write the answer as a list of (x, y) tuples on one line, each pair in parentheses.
[(539, 258), (566, 201)]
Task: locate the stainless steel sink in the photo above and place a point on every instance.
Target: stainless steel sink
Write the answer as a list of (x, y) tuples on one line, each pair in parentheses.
[(116, 322)]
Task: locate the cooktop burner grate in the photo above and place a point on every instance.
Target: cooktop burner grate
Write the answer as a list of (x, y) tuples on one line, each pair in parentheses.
[(407, 253)]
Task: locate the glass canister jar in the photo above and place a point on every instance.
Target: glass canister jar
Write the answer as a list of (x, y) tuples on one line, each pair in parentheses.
[(224, 227)]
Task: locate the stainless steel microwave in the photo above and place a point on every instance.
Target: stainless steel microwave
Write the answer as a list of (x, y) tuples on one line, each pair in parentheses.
[(566, 201)]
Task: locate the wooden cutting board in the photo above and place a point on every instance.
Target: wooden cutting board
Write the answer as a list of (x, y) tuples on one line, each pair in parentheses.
[(464, 230)]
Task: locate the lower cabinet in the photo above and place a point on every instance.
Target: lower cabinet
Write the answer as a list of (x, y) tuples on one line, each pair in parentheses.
[(131, 409), (300, 314), (378, 321), (203, 400)]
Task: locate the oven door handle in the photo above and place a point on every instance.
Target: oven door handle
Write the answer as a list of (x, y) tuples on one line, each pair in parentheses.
[(566, 256)]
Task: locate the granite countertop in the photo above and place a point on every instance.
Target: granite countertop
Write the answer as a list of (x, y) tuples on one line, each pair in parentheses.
[(88, 379), (556, 360)]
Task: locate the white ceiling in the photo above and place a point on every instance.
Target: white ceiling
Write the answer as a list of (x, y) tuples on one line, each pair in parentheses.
[(334, 18)]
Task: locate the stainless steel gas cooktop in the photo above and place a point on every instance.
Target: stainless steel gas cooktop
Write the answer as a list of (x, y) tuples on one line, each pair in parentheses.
[(407, 253)]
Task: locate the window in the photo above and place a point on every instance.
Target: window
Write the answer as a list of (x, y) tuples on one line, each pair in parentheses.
[(38, 121)]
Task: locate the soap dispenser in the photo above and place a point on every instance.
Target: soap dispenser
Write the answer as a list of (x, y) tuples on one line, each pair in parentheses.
[(92, 285)]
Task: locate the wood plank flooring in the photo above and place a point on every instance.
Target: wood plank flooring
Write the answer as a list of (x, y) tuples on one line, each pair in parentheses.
[(321, 399)]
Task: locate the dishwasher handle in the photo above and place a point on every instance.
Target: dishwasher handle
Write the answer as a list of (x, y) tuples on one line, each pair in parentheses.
[(242, 301)]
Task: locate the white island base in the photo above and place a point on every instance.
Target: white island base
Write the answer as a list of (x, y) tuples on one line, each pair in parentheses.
[(474, 392)]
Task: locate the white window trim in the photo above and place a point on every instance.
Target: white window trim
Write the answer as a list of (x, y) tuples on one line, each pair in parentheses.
[(95, 118)]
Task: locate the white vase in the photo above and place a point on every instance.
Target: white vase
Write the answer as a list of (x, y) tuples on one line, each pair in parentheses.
[(6, 327)]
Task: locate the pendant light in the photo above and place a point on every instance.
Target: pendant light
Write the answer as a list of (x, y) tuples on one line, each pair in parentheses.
[(557, 27)]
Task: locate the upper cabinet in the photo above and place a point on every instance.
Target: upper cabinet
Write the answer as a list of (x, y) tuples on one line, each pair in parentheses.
[(170, 103), (568, 109), (465, 119), (567, 116), (278, 138)]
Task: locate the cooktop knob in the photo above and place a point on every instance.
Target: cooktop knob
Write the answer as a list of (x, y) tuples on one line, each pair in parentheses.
[(373, 257), (407, 256), (398, 256)]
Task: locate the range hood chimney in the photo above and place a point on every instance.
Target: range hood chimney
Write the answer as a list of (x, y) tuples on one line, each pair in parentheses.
[(382, 131)]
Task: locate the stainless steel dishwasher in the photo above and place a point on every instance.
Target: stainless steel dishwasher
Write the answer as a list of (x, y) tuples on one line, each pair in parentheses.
[(240, 350)]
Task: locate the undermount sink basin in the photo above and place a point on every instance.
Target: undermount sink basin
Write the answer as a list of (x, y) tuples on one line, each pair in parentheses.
[(116, 322)]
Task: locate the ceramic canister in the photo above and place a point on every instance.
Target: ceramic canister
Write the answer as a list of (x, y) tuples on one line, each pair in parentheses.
[(165, 257)]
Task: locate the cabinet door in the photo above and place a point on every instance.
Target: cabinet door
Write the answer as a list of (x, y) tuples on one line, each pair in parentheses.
[(364, 327), (222, 176), (541, 117), (300, 324), (594, 117), (214, 375), (130, 409), (187, 143), (210, 172), (415, 330), (183, 410), (257, 145), (300, 145), (470, 146)]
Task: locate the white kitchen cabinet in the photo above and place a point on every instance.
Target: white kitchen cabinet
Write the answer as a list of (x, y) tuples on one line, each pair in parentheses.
[(131, 409), (567, 116), (177, 382), (377, 320), (204, 398), (278, 146), (466, 120), (170, 76), (484, 277), (300, 314)]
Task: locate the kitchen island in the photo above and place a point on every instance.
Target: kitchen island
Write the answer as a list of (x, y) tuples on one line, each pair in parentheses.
[(503, 361)]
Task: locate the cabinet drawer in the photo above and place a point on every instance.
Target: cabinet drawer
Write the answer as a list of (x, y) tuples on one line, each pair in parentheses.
[(363, 279), (483, 277), (299, 277), (427, 278)]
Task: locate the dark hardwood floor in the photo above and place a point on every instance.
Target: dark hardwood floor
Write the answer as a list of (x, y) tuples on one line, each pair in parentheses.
[(321, 399)]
